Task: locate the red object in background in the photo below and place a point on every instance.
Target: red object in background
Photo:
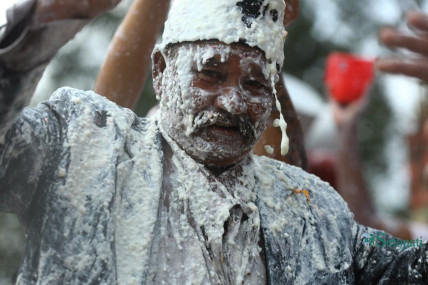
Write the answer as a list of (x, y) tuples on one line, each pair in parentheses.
[(347, 76)]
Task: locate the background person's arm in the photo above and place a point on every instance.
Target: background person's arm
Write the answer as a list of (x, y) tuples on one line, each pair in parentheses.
[(351, 184), (123, 74), (413, 64)]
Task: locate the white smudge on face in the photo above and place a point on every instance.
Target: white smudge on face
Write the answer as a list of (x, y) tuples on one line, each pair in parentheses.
[(269, 149)]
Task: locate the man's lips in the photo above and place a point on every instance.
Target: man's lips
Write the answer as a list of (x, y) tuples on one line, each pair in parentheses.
[(223, 129), (226, 125), (223, 124), (220, 135)]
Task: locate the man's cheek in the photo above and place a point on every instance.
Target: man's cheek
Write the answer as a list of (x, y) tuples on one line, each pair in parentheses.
[(260, 110), (201, 99)]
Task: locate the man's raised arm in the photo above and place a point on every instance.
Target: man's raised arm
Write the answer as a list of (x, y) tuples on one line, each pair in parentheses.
[(34, 32)]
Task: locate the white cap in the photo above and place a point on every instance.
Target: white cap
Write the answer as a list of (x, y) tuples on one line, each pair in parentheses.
[(257, 22)]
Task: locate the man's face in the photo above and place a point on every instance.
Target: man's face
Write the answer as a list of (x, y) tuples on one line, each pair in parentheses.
[(216, 99)]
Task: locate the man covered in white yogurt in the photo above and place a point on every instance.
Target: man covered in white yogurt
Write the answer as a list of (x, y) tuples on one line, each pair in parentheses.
[(110, 198)]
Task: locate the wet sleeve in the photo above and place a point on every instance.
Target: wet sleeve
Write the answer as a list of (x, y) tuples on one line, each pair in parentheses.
[(379, 258), (28, 137), (22, 137)]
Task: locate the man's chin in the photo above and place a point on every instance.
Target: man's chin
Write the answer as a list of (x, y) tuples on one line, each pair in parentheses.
[(223, 136), (213, 145)]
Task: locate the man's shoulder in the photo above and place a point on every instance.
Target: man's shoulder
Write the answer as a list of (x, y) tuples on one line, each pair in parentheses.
[(68, 96), (288, 181), (71, 104), (304, 217), (292, 176)]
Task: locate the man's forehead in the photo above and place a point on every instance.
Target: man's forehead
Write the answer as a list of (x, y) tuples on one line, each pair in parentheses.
[(258, 22), (215, 50)]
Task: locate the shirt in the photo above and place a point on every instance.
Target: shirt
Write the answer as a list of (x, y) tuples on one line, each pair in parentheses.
[(207, 229)]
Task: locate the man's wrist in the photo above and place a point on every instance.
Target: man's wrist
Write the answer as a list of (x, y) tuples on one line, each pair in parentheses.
[(26, 44), (38, 45)]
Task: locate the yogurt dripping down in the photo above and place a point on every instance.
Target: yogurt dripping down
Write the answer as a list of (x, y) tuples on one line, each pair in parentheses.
[(285, 141)]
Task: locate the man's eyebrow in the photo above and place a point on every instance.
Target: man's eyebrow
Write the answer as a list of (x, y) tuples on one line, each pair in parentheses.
[(257, 72), (212, 61)]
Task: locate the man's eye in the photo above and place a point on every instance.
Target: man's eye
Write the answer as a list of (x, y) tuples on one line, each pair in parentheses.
[(255, 84), (210, 74)]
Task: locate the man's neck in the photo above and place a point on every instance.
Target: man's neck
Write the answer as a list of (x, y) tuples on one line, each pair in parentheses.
[(218, 170)]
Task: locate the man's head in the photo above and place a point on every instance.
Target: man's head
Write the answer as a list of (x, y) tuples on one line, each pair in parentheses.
[(259, 23), (215, 71), (215, 98)]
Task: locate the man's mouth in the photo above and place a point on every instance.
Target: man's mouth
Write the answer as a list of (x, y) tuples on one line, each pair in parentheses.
[(227, 130), (222, 123)]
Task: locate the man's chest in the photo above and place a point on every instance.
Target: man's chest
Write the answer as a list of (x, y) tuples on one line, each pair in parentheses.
[(203, 234)]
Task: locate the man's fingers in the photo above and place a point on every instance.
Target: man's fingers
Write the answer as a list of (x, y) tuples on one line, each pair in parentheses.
[(417, 21), (55, 10), (97, 7), (393, 38), (417, 67)]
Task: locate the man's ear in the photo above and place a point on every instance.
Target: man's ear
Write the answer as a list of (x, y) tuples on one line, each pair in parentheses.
[(158, 68), (291, 11)]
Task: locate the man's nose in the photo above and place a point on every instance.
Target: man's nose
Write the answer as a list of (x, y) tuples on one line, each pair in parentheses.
[(232, 101)]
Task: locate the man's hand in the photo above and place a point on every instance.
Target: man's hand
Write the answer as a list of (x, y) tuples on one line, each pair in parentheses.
[(37, 35), (348, 115), (414, 66), (54, 10)]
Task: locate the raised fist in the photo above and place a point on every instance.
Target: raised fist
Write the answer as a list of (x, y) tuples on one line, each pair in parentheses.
[(53, 10)]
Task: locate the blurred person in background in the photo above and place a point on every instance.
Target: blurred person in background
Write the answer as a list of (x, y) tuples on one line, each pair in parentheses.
[(349, 178), (414, 65)]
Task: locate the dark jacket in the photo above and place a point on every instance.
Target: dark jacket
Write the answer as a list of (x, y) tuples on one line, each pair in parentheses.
[(85, 175)]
